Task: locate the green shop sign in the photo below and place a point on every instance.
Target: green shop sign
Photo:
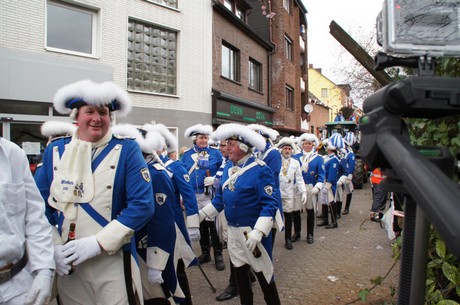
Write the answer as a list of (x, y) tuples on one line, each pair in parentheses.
[(240, 113)]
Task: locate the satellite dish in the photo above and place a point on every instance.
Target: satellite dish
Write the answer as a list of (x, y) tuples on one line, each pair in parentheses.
[(308, 108)]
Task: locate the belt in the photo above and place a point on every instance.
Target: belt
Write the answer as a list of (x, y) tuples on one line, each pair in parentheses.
[(9, 271)]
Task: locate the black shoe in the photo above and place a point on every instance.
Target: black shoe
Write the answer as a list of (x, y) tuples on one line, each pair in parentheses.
[(332, 226), (229, 293), (345, 212), (220, 265), (310, 239), (295, 237), (322, 222), (204, 258), (288, 244)]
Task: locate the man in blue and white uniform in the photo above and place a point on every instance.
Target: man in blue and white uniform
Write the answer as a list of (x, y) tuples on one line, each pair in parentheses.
[(246, 195), (202, 163), (102, 184), (312, 167), (350, 140)]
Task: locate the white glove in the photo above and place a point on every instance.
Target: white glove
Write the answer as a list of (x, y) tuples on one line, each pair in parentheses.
[(349, 178), (328, 185), (79, 250), (208, 181), (59, 258), (194, 233), (254, 237), (304, 197), (41, 288), (314, 191), (154, 276)]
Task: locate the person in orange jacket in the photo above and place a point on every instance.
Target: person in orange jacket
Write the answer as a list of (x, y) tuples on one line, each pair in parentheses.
[(379, 196)]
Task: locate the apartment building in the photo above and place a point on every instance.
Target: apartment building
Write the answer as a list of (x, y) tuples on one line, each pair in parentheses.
[(160, 51)]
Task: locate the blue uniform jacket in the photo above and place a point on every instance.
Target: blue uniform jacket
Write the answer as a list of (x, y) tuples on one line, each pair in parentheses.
[(182, 186), (197, 176), (132, 202), (351, 159), (252, 197), (316, 170), (332, 169)]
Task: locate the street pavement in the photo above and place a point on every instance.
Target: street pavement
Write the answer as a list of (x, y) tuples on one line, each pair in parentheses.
[(331, 271)]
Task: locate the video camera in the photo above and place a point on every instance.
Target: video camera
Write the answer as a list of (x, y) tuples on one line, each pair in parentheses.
[(424, 30)]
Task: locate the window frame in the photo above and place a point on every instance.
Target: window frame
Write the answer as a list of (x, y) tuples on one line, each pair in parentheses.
[(289, 96), (255, 84), (233, 64), (95, 28), (161, 2), (288, 48), (324, 92), (287, 6), (164, 81)]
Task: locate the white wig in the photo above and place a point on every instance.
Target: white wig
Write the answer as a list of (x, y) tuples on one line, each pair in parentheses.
[(240, 133), (52, 129), (265, 131), (197, 129), (286, 142), (87, 92)]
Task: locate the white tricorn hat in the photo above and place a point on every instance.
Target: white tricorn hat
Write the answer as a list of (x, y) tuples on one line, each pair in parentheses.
[(286, 142), (265, 131), (169, 138), (309, 137), (149, 142), (240, 133), (53, 129), (87, 92), (197, 129)]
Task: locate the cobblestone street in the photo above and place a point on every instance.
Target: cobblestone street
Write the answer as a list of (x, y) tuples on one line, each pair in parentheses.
[(359, 250)]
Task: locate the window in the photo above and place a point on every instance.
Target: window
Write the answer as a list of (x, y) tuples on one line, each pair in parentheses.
[(152, 58), (287, 5), (170, 3), (229, 4), (324, 92), (288, 48), (230, 62), (255, 75), (289, 98), (71, 28), (240, 13)]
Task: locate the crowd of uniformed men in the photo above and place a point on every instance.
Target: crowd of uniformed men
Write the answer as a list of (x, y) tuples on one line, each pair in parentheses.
[(136, 208)]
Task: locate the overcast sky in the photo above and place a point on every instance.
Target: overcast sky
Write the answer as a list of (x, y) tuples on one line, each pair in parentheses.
[(354, 16)]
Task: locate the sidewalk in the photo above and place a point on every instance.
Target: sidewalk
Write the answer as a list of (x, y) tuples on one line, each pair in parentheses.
[(356, 252)]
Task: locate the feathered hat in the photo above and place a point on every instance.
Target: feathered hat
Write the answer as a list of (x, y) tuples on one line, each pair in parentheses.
[(309, 137), (240, 133), (286, 142), (53, 129), (87, 92), (170, 139), (197, 129), (349, 138), (149, 142), (265, 131)]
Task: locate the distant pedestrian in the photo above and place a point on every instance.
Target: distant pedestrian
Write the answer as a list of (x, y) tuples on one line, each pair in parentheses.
[(379, 196)]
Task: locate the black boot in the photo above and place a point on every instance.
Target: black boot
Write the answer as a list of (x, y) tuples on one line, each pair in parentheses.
[(243, 283), (270, 291), (297, 226), (204, 257), (347, 205), (333, 209), (339, 209), (324, 220), (219, 261), (288, 230), (183, 282), (310, 225)]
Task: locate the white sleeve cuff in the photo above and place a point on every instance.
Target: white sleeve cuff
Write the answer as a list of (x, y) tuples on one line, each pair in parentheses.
[(350, 176), (264, 224), (113, 236), (157, 258), (319, 185), (210, 211), (343, 179), (193, 221)]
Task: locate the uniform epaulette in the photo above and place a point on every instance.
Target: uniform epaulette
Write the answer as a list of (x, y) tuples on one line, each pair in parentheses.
[(158, 166), (60, 137), (260, 162), (123, 137)]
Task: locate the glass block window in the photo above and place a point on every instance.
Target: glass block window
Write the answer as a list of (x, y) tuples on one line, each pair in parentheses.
[(152, 58)]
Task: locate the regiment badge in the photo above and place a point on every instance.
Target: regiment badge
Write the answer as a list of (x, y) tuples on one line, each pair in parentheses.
[(160, 198), (145, 174), (187, 177), (268, 189)]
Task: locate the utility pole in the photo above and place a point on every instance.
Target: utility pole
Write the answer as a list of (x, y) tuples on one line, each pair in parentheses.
[(358, 52)]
